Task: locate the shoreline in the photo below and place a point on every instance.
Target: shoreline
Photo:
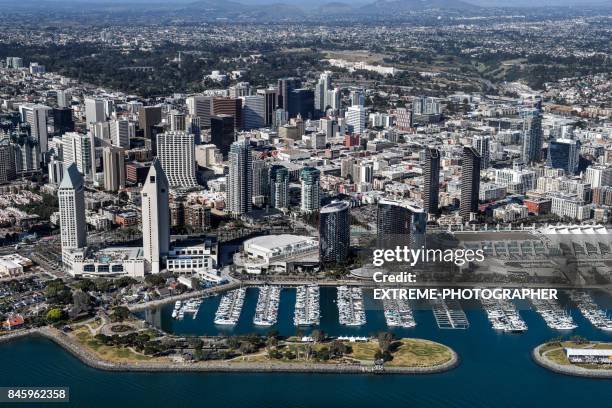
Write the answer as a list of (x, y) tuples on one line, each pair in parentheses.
[(91, 360), (570, 370)]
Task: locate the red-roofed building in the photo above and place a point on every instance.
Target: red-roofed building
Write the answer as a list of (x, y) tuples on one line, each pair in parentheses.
[(13, 322)]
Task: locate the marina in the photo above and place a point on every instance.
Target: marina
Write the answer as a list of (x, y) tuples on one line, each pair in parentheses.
[(554, 315), (504, 316), (350, 306), (266, 312), (589, 309), (191, 306), (307, 312), (230, 307), (398, 313), (449, 315)]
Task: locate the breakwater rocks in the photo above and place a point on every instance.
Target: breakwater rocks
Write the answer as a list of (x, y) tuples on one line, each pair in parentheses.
[(568, 369), (89, 358)]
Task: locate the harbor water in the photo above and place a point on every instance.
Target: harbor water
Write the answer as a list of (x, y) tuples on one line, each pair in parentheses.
[(496, 368)]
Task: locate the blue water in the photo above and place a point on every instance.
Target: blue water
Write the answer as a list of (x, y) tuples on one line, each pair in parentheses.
[(496, 369)]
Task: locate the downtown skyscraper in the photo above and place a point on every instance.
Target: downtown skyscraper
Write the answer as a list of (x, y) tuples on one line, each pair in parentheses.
[(155, 218), (470, 183), (71, 197), (335, 232), (240, 178), (532, 135), (176, 152), (431, 181), (311, 190)]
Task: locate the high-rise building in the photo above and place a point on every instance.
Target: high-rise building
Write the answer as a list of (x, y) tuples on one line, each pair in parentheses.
[(482, 145), (532, 135), (94, 110), (279, 186), (356, 119), (79, 149), (270, 103), (334, 232), (261, 182), (114, 168), (56, 171), (155, 218), (7, 162), (285, 86), (357, 97), (301, 102), (240, 178), (71, 197), (598, 176), (470, 182), (229, 106), (311, 190), (200, 106), (63, 98), (177, 121), (564, 154), (120, 133), (403, 119), (253, 111), (176, 152), (62, 121), (37, 117), (400, 224), (431, 181), (149, 116), (222, 133), (320, 94), (426, 106)]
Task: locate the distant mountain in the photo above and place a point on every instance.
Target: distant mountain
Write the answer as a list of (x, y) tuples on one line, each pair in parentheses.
[(337, 7), (402, 6)]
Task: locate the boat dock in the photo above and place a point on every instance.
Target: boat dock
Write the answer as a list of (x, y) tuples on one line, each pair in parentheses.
[(398, 313), (307, 312), (553, 314), (266, 312), (589, 309), (450, 315), (230, 307), (350, 306), (504, 316)]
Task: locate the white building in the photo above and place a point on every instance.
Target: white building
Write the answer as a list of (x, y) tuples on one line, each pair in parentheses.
[(120, 131), (356, 119), (79, 149), (71, 196), (570, 206), (155, 218), (36, 116), (94, 110), (598, 176), (275, 253), (176, 152)]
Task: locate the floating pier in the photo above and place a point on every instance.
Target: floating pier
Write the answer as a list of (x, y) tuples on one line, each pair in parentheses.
[(230, 307), (307, 312), (450, 315), (350, 306), (266, 311)]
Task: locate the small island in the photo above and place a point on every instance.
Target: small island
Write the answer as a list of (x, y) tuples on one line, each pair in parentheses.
[(122, 343), (577, 357)]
